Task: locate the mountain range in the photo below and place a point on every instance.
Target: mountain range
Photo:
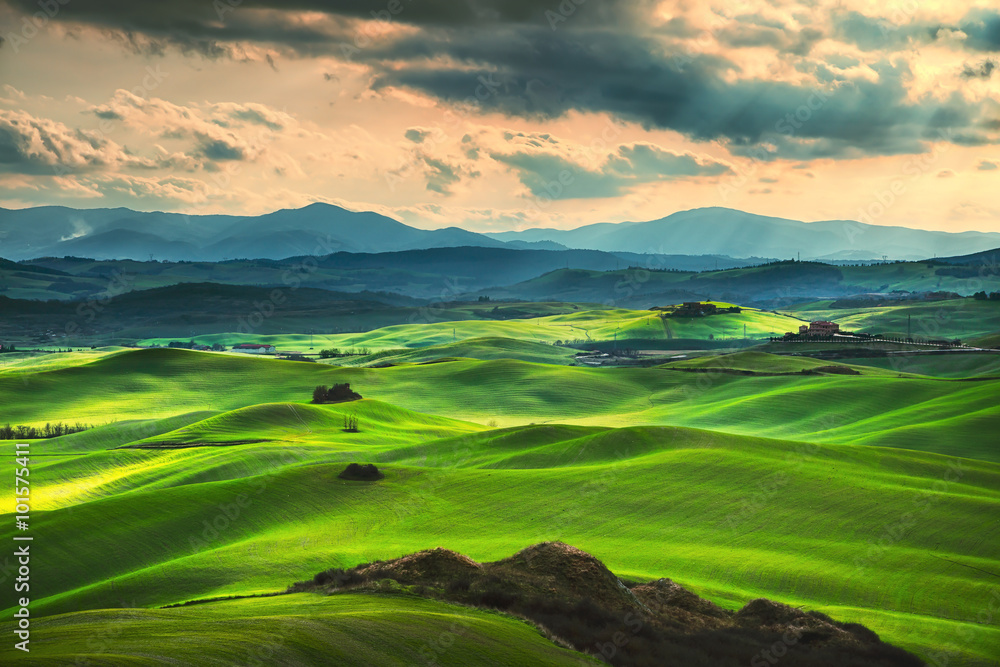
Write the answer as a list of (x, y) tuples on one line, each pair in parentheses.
[(323, 229), (739, 234)]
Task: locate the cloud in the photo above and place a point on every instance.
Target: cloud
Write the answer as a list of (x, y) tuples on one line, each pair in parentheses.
[(440, 175), (616, 57), (982, 70), (988, 165), (416, 135), (32, 145), (534, 74), (982, 29), (220, 132), (547, 168)]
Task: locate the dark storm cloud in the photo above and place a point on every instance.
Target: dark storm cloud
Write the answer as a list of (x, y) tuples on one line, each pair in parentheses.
[(539, 74), (512, 57), (221, 19)]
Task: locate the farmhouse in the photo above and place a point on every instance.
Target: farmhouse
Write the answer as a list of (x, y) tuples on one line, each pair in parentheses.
[(254, 348), (819, 328)]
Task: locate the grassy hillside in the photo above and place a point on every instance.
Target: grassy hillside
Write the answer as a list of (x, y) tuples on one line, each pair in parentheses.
[(582, 325), (956, 318), (16, 362), (484, 349), (297, 629), (239, 493), (763, 363), (733, 517), (945, 416), (945, 366)]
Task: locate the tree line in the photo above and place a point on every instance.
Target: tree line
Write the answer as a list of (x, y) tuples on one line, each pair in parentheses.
[(50, 430)]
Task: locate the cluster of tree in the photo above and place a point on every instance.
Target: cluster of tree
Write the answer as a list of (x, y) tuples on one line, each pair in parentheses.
[(338, 393), (336, 352), (572, 343), (351, 423), (983, 296), (664, 270), (7, 348), (20, 432)]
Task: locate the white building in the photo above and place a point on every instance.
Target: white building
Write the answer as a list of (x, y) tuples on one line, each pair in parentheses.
[(254, 348)]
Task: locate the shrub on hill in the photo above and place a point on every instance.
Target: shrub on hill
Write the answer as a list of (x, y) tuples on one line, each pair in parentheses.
[(338, 393), (364, 472)]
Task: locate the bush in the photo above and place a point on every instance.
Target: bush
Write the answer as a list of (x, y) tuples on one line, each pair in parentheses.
[(338, 393)]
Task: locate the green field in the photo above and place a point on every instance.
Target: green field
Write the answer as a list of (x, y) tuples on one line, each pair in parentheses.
[(763, 363), (212, 476), (930, 414), (298, 629), (946, 366), (955, 318), (582, 326)]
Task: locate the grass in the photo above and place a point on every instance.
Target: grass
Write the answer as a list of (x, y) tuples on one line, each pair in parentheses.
[(583, 325), (762, 362), (955, 318), (473, 348), (939, 415), (944, 366), (18, 362), (733, 517), (897, 539), (296, 629)]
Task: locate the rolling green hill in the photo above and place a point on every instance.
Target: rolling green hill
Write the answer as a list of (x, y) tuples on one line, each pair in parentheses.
[(955, 318), (763, 363), (945, 366), (298, 629), (582, 326), (484, 349), (784, 487), (733, 517), (940, 415)]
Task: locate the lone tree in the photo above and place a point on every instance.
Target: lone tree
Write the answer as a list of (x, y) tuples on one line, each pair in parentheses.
[(338, 393)]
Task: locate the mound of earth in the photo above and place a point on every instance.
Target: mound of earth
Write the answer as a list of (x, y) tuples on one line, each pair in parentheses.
[(424, 567), (364, 472), (575, 600)]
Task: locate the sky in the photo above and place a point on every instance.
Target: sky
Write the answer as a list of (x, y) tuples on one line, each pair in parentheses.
[(496, 115)]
